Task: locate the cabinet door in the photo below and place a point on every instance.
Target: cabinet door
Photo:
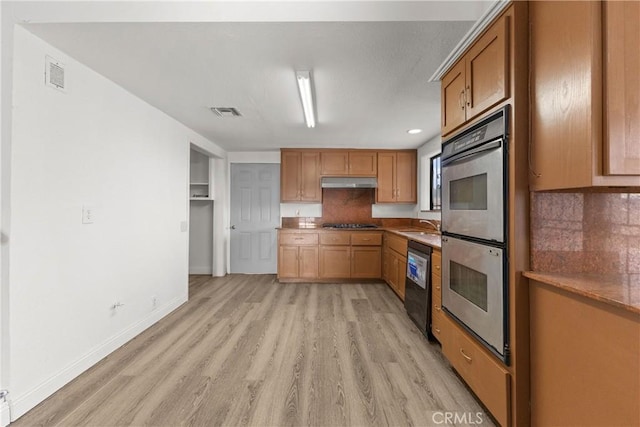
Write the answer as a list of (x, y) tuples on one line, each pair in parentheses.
[(406, 164), (386, 191), (363, 163), (563, 120), (386, 261), (366, 262), (486, 70), (335, 262), (288, 262), (452, 98), (622, 87), (310, 190), (334, 163), (393, 270), (308, 262), (290, 176)]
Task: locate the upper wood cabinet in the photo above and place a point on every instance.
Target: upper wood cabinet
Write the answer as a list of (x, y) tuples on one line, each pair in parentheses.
[(622, 87), (348, 162), (300, 176), (585, 118), (479, 80), (397, 181)]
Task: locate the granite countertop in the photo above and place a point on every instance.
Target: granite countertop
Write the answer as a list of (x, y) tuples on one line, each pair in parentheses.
[(426, 237), (618, 290), (420, 235)]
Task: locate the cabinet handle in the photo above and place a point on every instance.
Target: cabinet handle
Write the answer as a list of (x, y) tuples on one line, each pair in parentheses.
[(437, 307), (461, 99), (466, 95), (438, 287), (298, 238), (465, 356), (437, 330), (365, 240)]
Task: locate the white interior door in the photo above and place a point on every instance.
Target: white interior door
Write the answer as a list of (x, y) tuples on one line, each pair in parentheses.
[(255, 214)]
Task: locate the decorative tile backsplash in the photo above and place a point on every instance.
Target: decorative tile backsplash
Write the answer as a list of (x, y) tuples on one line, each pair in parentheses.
[(585, 233)]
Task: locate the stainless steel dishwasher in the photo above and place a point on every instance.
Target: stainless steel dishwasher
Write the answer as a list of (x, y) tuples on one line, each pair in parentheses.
[(417, 297)]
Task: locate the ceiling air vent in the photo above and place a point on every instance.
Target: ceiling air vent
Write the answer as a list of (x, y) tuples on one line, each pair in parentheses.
[(226, 111), (54, 73)]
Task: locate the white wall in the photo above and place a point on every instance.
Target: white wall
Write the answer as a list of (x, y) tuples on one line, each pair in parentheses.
[(425, 152), (95, 144)]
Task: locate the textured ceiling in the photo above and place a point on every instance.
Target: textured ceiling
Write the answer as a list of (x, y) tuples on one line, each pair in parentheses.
[(370, 77)]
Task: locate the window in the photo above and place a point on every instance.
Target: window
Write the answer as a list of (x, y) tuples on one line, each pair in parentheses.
[(435, 177)]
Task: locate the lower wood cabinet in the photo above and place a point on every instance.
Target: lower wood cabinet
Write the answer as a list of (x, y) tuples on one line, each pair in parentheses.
[(585, 360), (329, 255), (436, 294), (297, 255), (395, 262), (365, 262), (482, 372), (335, 262)]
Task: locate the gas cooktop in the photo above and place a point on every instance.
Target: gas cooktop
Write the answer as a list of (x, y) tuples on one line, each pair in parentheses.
[(349, 226)]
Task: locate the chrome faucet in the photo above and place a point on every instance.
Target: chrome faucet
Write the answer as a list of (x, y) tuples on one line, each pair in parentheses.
[(435, 225)]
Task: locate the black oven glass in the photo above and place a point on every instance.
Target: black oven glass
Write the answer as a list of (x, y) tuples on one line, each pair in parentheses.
[(468, 193), (469, 284)]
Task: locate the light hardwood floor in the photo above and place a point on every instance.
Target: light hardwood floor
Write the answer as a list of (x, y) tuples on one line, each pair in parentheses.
[(247, 350)]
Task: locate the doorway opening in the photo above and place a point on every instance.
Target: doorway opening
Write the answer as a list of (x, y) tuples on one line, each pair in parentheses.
[(200, 213)]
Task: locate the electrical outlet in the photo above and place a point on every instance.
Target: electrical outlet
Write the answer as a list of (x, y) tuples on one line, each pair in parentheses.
[(154, 302), (88, 214)]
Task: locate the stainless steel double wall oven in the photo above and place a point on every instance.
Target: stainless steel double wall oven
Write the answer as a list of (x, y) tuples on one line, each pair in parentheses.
[(474, 231)]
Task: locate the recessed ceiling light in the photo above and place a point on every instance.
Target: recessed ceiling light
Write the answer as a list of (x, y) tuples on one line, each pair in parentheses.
[(414, 131)]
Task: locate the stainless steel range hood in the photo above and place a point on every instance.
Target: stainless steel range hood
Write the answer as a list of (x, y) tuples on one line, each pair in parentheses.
[(349, 182)]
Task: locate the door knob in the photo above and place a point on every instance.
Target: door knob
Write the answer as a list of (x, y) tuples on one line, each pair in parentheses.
[(233, 227)]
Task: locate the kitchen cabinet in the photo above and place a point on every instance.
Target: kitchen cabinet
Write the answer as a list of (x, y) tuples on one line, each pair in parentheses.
[(335, 262), (348, 162), (397, 177), (436, 295), (300, 176), (395, 262), (479, 80), (366, 255), (585, 94), (345, 255), (585, 359), (297, 255), (487, 378)]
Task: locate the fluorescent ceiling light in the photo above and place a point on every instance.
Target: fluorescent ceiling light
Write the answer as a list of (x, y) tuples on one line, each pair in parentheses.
[(304, 87), (414, 131)]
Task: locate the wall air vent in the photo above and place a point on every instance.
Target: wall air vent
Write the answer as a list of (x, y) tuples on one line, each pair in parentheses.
[(54, 74), (226, 111)]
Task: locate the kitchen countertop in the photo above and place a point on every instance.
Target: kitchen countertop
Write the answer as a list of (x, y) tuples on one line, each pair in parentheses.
[(618, 290), (426, 236)]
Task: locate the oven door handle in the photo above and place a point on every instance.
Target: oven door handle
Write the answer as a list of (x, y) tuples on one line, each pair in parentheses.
[(467, 155)]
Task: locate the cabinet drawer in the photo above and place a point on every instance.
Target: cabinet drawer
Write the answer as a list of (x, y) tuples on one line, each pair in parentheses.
[(397, 243), (436, 325), (334, 238), (298, 238), (436, 263), (436, 284), (488, 379), (366, 239)]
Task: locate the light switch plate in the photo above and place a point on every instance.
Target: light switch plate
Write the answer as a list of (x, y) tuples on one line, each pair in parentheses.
[(184, 226), (88, 214)]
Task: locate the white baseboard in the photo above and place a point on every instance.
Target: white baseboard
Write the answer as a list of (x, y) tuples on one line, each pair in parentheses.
[(5, 415), (25, 402), (200, 270)]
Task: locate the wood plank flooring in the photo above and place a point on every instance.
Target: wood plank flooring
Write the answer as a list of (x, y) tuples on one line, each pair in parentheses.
[(247, 350)]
